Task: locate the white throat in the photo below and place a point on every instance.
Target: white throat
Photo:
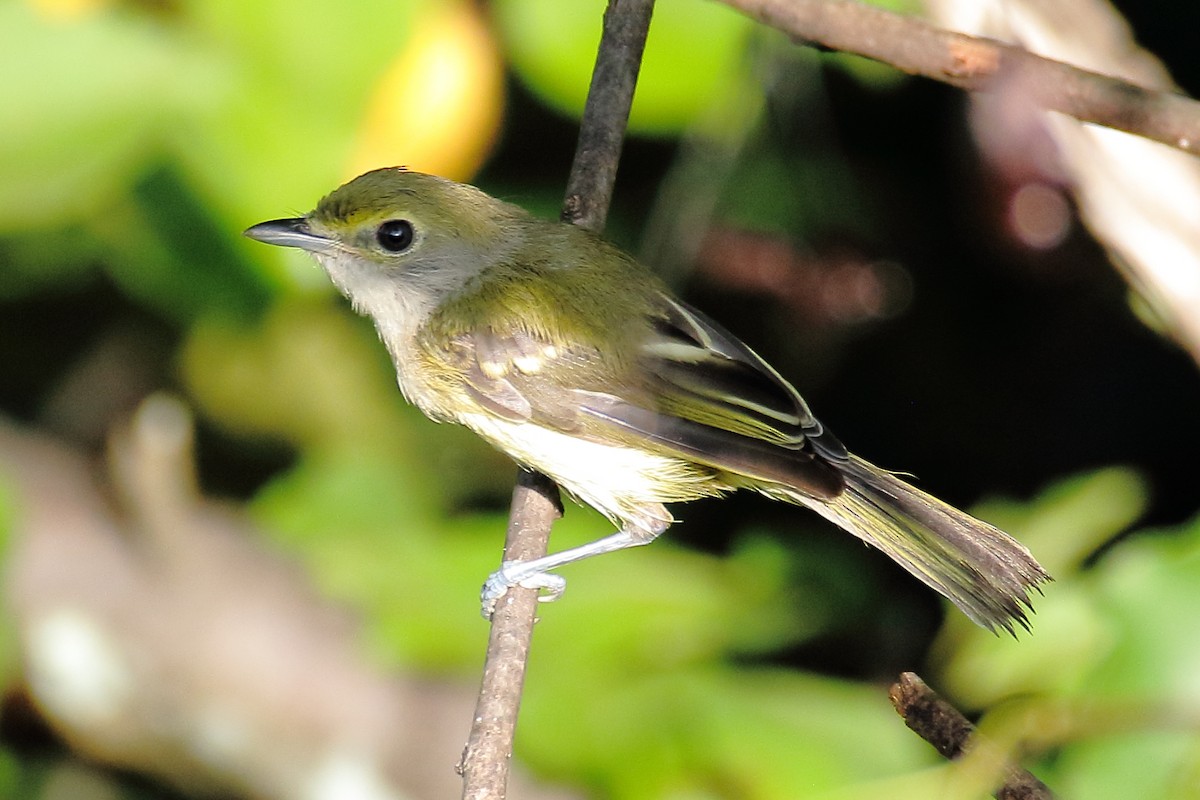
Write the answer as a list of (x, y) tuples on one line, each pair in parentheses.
[(397, 304)]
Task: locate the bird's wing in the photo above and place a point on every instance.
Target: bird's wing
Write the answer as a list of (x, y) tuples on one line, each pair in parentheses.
[(693, 391), (705, 374), (717, 402)]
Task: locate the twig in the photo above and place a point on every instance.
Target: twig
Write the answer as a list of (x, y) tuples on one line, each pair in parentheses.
[(535, 505), (598, 151), (485, 761), (974, 63), (952, 735)]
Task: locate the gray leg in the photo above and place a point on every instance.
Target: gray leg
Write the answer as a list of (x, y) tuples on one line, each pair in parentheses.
[(535, 574)]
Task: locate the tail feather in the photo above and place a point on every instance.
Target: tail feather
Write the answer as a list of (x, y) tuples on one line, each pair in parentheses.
[(981, 569)]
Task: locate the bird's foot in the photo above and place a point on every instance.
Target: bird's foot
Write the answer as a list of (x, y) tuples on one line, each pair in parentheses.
[(519, 573)]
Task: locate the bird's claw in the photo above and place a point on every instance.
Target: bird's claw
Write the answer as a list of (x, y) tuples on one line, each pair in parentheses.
[(517, 573)]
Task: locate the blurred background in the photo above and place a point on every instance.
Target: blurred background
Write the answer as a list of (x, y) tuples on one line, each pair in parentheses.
[(236, 564)]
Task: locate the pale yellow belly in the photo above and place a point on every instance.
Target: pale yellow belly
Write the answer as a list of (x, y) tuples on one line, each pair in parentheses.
[(628, 486)]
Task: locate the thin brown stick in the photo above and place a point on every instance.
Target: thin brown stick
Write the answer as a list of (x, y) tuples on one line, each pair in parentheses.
[(602, 130), (535, 505), (928, 715), (974, 63), (485, 761)]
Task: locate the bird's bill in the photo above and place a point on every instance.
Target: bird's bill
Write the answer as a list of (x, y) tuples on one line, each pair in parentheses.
[(289, 233)]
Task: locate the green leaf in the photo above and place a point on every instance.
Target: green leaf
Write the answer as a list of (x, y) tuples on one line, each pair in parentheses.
[(713, 731), (86, 106), (1072, 633), (1157, 765), (692, 50), (165, 249)]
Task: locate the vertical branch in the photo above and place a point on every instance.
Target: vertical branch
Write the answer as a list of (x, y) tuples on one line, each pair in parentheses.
[(535, 504), (594, 172), (485, 761)]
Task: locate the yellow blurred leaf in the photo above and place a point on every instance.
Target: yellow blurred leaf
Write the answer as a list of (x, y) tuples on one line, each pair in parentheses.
[(66, 10), (437, 107)]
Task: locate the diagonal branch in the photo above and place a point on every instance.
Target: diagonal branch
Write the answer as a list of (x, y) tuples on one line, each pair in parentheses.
[(974, 63), (932, 718), (535, 505)]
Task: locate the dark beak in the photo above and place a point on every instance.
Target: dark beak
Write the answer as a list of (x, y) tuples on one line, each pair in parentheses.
[(289, 233)]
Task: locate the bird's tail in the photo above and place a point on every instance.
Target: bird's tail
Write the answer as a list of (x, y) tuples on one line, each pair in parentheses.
[(981, 569)]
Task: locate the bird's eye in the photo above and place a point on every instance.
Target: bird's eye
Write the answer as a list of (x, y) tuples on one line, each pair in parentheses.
[(395, 235)]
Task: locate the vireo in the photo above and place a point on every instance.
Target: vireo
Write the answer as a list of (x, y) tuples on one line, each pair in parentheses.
[(566, 354)]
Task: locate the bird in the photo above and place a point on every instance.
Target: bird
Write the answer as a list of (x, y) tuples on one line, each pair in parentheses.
[(562, 351)]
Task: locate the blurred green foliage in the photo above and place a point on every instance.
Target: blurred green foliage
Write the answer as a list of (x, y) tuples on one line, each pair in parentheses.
[(695, 51), (155, 132)]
